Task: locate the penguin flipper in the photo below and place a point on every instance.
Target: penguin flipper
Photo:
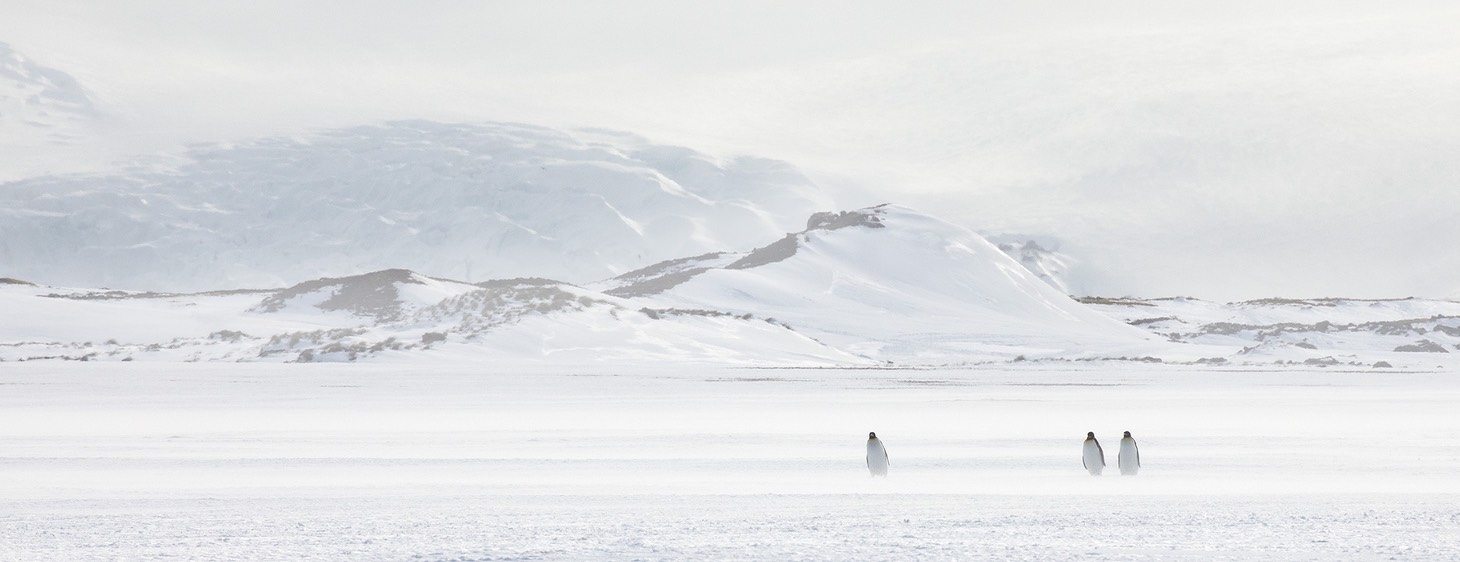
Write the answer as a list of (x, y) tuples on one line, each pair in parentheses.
[(1138, 453)]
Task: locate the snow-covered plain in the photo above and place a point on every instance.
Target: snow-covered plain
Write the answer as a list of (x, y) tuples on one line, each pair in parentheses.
[(482, 461)]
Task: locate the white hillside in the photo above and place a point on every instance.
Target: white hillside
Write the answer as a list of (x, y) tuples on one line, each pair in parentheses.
[(40, 104), (893, 284), (385, 315), (867, 287), (48, 120), (1414, 333), (466, 202), (878, 285), (1042, 258), (539, 320)]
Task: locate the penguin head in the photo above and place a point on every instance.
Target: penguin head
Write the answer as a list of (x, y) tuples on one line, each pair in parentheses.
[(1090, 435), (871, 435), (1127, 434)]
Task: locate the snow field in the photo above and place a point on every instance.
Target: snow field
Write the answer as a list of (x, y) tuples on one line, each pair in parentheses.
[(663, 461)]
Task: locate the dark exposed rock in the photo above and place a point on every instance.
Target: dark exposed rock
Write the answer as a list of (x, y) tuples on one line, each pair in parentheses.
[(844, 219), (517, 282), (779, 250), (1423, 346), (786, 247), (655, 285), (372, 294)]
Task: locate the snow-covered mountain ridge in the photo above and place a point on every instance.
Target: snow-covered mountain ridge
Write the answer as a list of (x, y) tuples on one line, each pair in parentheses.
[(872, 287), (450, 200)]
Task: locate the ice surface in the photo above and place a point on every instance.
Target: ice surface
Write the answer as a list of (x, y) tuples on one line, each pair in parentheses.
[(521, 461)]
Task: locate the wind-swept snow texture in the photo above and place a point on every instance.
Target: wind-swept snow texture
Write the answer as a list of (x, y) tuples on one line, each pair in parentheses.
[(646, 462), (460, 201)]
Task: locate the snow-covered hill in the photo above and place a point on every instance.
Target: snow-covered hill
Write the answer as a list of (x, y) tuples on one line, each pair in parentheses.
[(48, 120), (461, 201), (1325, 332), (872, 286), (879, 286), (891, 283), (39, 104)]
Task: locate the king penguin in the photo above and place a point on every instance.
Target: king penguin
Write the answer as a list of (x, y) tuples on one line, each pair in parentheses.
[(1094, 458), (1130, 456), (876, 455)]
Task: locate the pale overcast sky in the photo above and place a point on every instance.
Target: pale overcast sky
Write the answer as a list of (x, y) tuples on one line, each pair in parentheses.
[(1225, 150)]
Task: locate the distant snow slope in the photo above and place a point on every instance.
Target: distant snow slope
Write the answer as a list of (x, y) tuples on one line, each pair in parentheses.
[(881, 286), (1323, 332), (891, 283), (872, 286), (40, 103), (463, 201), (1042, 258), (48, 119)]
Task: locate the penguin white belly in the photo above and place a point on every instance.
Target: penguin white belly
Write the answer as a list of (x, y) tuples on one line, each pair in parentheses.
[(1130, 457), (876, 458), (1094, 457)]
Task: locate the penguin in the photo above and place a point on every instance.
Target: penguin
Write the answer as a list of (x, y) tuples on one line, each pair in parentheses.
[(1130, 456), (876, 455), (1094, 458)]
